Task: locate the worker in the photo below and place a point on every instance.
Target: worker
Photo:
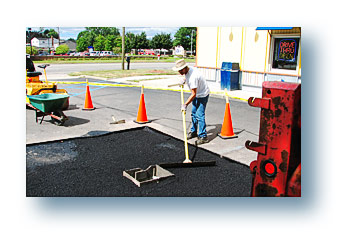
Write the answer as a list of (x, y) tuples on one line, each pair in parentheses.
[(199, 98)]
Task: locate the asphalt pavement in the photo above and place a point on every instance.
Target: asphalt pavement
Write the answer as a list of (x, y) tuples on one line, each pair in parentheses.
[(87, 155), (93, 167)]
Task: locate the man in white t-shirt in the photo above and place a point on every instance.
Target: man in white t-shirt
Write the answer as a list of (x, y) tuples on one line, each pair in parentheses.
[(199, 98)]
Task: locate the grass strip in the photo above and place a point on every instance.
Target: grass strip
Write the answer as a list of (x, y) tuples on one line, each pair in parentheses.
[(124, 73)]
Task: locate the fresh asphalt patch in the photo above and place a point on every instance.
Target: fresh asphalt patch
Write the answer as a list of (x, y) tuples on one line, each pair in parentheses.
[(93, 167)]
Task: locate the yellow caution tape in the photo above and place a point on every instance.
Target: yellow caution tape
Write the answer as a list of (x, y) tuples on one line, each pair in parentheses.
[(148, 87)]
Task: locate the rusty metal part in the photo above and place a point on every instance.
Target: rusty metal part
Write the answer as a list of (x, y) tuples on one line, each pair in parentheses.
[(294, 185), (257, 147), (259, 102), (279, 146)]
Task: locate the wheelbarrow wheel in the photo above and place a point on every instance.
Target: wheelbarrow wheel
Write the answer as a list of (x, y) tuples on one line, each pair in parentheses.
[(62, 117)]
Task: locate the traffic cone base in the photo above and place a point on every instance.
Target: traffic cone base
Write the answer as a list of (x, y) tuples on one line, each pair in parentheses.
[(142, 116), (227, 137), (141, 122), (88, 100)]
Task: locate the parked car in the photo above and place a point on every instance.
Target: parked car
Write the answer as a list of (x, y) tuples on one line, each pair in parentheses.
[(94, 53), (149, 52), (106, 53), (43, 53), (145, 52), (80, 54)]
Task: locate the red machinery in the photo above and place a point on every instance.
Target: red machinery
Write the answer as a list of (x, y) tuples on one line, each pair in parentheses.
[(277, 170)]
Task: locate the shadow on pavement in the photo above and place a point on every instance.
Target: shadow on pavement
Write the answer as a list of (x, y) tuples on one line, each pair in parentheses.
[(75, 121), (72, 107), (213, 133)]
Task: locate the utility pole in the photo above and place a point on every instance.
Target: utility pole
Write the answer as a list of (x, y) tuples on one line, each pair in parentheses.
[(123, 48), (191, 40), (30, 39), (59, 35)]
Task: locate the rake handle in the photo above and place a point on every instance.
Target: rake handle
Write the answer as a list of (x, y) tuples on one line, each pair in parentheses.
[(187, 160)]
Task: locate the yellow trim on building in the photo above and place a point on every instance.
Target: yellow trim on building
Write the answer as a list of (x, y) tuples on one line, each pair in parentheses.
[(216, 54)]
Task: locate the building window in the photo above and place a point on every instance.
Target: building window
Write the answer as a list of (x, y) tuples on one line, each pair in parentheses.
[(285, 53)]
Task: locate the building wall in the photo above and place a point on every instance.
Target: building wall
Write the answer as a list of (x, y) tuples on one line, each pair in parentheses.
[(45, 43), (230, 45), (207, 43), (251, 48), (254, 54)]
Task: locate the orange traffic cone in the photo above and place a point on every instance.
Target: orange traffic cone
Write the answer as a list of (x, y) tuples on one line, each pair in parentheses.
[(88, 99), (142, 116), (227, 127)]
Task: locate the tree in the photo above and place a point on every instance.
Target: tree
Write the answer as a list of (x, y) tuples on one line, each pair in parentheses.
[(183, 37), (110, 42), (51, 33), (71, 39), (84, 40), (42, 33), (160, 41), (131, 41), (104, 31), (90, 37), (141, 41), (62, 49), (135, 41), (82, 44), (118, 42), (117, 50), (99, 43)]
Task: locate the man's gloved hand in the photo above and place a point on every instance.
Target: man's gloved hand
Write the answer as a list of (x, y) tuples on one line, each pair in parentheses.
[(182, 81), (183, 107)]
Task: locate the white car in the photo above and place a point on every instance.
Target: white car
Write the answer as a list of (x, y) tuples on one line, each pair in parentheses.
[(106, 53), (94, 53)]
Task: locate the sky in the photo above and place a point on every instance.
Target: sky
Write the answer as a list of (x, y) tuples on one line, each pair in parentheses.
[(72, 32)]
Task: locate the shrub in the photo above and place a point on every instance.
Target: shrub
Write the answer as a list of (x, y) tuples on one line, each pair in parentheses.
[(34, 50), (62, 49)]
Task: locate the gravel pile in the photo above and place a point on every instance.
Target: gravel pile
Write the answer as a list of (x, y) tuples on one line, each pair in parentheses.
[(93, 167)]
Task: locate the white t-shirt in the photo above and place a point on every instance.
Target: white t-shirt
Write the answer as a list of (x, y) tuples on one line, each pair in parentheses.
[(194, 79)]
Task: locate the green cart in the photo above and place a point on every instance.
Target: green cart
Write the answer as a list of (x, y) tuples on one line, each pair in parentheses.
[(50, 104)]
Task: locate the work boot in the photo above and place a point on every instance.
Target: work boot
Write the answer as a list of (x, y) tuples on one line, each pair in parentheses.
[(191, 135), (201, 140)]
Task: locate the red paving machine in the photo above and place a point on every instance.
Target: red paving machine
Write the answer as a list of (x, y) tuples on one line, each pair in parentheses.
[(277, 170)]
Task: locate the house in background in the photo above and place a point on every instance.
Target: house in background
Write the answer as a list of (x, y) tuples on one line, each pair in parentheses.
[(262, 53), (71, 44), (45, 43)]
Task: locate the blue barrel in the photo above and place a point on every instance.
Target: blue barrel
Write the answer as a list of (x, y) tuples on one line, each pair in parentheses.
[(229, 76)]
